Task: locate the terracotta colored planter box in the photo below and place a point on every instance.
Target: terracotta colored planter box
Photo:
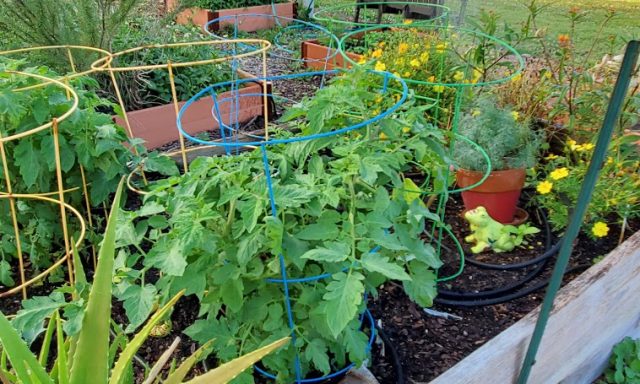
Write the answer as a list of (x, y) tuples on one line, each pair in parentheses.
[(315, 56), (201, 16), (157, 125)]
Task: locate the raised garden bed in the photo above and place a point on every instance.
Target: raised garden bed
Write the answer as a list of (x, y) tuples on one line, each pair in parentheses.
[(248, 19), (157, 125), (592, 313), (318, 56)]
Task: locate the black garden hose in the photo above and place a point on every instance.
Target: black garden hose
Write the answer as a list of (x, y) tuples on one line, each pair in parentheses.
[(503, 294), (502, 299), (389, 346)]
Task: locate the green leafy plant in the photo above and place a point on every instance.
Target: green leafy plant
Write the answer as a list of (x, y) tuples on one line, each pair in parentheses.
[(228, 4), (615, 197), (624, 364), (338, 198), (509, 142), (70, 22), (87, 357), (88, 139), (144, 89)]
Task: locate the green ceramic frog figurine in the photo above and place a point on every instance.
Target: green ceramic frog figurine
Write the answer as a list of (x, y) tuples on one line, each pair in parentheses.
[(488, 233)]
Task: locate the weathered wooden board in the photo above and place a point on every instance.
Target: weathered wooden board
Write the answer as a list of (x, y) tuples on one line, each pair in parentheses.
[(591, 314)]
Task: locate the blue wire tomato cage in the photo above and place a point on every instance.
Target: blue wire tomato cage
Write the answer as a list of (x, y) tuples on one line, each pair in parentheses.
[(263, 142)]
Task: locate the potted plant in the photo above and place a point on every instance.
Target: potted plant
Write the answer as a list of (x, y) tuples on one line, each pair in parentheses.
[(512, 147), (200, 12)]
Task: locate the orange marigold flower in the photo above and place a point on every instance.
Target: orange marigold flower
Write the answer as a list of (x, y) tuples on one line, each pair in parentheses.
[(564, 40)]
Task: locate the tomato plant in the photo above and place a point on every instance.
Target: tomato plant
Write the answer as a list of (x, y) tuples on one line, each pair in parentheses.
[(343, 211)]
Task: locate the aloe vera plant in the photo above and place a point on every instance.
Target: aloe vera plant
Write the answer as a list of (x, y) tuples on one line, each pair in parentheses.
[(85, 358)]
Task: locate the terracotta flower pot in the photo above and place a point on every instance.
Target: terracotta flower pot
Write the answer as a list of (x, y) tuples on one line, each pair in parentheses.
[(318, 56), (499, 193)]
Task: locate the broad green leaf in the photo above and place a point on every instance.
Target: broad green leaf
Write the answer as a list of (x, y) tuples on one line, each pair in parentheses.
[(275, 234), (5, 274), (227, 372), (231, 292), (91, 363), (292, 196), (411, 191), (322, 230), (422, 287), (125, 358), (138, 303), (375, 262), (35, 310), (341, 302), (250, 211), (150, 208), (167, 256), (24, 362), (333, 252), (28, 161), (316, 352), (355, 342)]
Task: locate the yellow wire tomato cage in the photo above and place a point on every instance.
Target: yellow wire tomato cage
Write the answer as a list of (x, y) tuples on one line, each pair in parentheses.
[(12, 196), (74, 71), (234, 49)]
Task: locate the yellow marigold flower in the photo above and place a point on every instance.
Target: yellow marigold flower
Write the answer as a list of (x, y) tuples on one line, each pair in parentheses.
[(600, 229), (559, 173), (588, 146), (547, 75), (440, 48), (516, 78), (378, 99), (609, 160), (377, 53), (458, 76), (383, 136), (551, 157), (476, 112), (376, 111), (438, 88), (400, 61), (407, 74), (544, 187), (381, 44), (362, 60), (396, 74), (424, 57), (406, 130), (380, 66), (613, 201), (431, 79), (573, 145), (407, 22), (516, 115), (403, 48), (415, 63)]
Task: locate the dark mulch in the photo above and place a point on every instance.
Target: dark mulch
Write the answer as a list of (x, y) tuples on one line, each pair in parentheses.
[(429, 345)]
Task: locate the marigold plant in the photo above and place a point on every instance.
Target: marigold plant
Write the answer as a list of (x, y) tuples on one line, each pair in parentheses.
[(616, 196)]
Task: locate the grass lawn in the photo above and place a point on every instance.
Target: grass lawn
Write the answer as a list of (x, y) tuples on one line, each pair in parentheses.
[(624, 26)]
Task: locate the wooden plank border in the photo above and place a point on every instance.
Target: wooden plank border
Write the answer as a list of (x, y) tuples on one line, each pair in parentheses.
[(591, 314)]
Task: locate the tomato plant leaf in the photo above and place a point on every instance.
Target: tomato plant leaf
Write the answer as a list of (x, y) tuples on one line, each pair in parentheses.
[(138, 304), (27, 159), (375, 262), (341, 302), (333, 252), (316, 351)]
